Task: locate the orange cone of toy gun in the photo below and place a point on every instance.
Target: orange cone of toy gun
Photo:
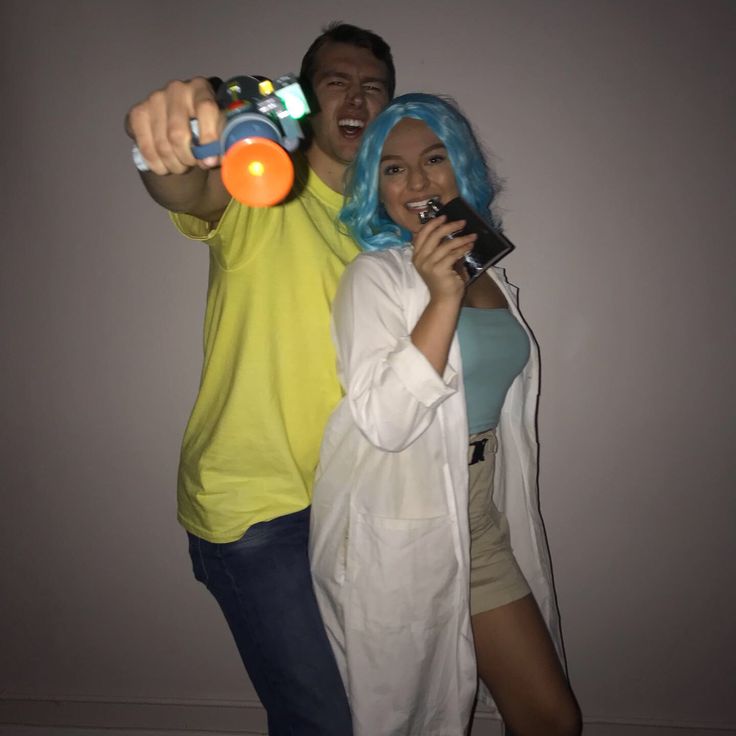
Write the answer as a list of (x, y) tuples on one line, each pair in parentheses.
[(257, 172)]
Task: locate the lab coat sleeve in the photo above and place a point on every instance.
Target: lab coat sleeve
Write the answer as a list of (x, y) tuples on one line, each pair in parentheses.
[(391, 388)]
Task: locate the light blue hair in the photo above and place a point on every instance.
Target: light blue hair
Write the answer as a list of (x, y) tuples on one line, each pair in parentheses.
[(363, 213)]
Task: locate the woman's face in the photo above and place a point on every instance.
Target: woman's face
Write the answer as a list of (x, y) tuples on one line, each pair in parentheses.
[(414, 168)]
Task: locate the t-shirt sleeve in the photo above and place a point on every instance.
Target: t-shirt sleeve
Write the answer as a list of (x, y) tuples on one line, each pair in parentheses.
[(227, 239)]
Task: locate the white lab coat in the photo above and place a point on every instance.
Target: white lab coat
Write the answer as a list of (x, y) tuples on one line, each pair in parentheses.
[(389, 540)]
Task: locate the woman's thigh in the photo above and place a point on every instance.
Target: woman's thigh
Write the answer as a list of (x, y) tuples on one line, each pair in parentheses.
[(518, 663)]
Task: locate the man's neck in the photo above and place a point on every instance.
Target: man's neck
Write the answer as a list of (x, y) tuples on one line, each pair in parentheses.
[(330, 171)]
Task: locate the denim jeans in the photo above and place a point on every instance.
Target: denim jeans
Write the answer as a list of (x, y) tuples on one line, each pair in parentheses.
[(264, 587)]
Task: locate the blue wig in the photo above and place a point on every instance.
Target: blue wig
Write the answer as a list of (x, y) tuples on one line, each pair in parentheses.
[(363, 213)]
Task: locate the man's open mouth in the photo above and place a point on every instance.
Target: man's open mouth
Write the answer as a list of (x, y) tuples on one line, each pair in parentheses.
[(351, 127)]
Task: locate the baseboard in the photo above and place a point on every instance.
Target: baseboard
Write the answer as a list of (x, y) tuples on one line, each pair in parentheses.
[(84, 716), (55, 716)]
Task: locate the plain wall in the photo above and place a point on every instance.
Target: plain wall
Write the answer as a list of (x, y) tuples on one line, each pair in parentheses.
[(612, 122)]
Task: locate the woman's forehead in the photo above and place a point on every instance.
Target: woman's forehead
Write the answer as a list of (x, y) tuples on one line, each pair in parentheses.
[(409, 134)]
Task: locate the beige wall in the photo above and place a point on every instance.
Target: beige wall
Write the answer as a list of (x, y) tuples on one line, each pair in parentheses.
[(613, 123)]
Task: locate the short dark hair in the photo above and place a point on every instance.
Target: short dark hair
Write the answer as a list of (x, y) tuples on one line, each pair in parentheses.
[(339, 32)]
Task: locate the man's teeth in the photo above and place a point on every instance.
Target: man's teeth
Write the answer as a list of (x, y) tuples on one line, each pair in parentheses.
[(351, 123)]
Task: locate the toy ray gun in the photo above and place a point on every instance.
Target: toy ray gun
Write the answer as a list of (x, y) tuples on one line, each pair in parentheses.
[(262, 124)]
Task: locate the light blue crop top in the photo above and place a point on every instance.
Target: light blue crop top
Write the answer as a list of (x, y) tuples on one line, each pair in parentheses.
[(494, 349)]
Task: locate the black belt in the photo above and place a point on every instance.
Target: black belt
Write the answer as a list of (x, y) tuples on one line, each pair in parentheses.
[(479, 451)]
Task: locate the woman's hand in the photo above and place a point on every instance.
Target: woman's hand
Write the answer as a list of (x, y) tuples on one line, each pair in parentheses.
[(435, 256)]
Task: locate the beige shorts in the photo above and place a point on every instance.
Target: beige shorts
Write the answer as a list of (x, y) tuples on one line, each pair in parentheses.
[(495, 576)]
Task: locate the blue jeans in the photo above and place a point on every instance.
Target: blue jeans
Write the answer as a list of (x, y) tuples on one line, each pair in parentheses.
[(264, 587)]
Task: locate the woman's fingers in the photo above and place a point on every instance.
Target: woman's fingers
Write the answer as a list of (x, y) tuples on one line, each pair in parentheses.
[(435, 256), (431, 233), (449, 250), (435, 240)]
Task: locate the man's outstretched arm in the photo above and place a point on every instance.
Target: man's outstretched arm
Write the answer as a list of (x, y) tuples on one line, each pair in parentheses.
[(160, 127)]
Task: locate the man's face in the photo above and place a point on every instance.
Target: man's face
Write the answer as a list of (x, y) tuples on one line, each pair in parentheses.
[(351, 88)]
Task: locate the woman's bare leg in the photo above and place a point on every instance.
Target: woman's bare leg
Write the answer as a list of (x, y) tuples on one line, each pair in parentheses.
[(518, 663)]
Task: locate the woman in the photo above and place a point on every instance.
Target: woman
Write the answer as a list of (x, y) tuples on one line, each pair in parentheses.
[(411, 554)]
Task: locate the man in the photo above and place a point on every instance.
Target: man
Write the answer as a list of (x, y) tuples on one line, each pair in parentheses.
[(268, 381)]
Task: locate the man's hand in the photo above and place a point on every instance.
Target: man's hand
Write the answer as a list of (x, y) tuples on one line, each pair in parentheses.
[(160, 126)]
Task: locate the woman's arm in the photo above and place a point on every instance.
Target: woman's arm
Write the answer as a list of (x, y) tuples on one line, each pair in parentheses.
[(434, 258), (393, 386)]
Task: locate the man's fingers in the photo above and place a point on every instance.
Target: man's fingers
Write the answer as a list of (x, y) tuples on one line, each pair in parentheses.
[(210, 118), (175, 110), (161, 125), (205, 111), (138, 127)]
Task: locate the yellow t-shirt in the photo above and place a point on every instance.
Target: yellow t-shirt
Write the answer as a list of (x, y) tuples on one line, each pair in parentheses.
[(268, 380)]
